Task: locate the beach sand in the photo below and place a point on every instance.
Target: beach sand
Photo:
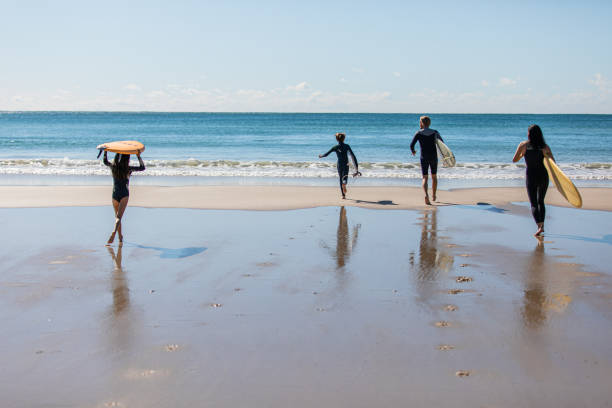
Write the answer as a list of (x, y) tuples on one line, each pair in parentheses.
[(281, 197), (327, 307)]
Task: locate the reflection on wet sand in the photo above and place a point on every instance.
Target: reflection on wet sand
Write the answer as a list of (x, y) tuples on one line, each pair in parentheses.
[(344, 243), (121, 293), (533, 311), (539, 298), (431, 260)]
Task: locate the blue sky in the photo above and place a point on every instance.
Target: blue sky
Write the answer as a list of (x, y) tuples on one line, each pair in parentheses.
[(335, 56)]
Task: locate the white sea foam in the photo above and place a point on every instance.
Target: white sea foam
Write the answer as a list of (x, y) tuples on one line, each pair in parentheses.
[(230, 168)]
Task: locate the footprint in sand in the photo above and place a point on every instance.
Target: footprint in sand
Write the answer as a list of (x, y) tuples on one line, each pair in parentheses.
[(463, 373), (445, 347), (171, 347), (215, 305), (113, 404), (463, 279), (442, 324), (452, 245), (143, 374), (464, 265), (465, 255), (451, 308), (455, 291)]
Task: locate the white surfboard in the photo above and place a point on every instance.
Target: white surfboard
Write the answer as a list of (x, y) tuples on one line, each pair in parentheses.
[(446, 155)]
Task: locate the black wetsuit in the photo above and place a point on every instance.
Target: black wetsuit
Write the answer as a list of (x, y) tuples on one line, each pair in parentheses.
[(429, 152), (537, 181), (342, 151), (120, 185)]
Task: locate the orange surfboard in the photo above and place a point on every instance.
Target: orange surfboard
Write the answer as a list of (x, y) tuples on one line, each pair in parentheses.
[(123, 147)]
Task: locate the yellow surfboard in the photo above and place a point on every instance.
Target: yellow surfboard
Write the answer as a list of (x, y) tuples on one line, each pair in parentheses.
[(564, 185), (123, 147)]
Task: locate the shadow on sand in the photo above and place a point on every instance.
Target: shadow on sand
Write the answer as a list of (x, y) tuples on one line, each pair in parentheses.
[(381, 202), (173, 253)]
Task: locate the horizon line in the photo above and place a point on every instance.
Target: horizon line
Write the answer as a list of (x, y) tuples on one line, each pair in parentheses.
[(296, 112)]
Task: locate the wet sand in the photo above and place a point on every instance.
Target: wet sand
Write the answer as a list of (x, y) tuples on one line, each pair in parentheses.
[(328, 307), (282, 197)]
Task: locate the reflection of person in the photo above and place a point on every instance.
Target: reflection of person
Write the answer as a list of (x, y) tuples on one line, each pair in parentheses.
[(534, 149), (429, 154), (121, 171), (121, 293), (342, 151), (534, 313), (428, 246), (431, 259), (343, 249)]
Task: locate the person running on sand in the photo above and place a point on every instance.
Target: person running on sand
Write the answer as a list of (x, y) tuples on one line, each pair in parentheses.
[(534, 149), (121, 171), (342, 151), (429, 154)]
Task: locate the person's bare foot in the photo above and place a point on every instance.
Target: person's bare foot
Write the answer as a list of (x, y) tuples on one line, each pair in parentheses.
[(110, 239), (120, 238), (434, 197), (427, 200), (343, 197), (540, 230)]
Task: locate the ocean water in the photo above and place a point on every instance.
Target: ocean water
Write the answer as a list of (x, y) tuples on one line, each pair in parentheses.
[(194, 148)]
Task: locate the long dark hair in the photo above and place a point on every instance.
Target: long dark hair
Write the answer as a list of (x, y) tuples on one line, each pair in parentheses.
[(536, 137), (121, 166)]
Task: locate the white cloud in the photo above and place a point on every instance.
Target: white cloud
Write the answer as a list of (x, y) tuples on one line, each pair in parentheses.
[(303, 98), (343, 80), (505, 82), (600, 82), (484, 83), (397, 74), (299, 87), (132, 87), (156, 94)]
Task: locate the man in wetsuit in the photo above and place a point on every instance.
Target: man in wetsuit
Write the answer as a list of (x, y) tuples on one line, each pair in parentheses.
[(429, 154), (342, 151)]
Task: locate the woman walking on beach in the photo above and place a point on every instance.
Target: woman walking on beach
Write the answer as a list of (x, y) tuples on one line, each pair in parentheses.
[(534, 149), (121, 171), (342, 151)]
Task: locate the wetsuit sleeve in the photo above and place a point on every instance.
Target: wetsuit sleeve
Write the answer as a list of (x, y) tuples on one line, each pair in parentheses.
[(330, 150), (439, 137), (106, 159), (139, 168), (354, 158), (414, 140)]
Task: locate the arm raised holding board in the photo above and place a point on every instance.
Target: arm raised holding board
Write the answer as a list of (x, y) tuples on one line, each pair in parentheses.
[(121, 171)]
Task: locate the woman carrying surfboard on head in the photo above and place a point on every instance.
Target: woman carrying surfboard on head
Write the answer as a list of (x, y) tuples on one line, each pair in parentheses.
[(535, 149), (121, 170), (342, 151)]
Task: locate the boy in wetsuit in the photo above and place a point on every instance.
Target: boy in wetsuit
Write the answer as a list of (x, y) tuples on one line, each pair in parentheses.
[(429, 154), (342, 151)]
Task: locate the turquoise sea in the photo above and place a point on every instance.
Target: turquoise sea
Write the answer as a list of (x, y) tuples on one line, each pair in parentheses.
[(201, 148)]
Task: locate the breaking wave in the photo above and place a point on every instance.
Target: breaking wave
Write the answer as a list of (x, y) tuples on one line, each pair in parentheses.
[(231, 168)]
